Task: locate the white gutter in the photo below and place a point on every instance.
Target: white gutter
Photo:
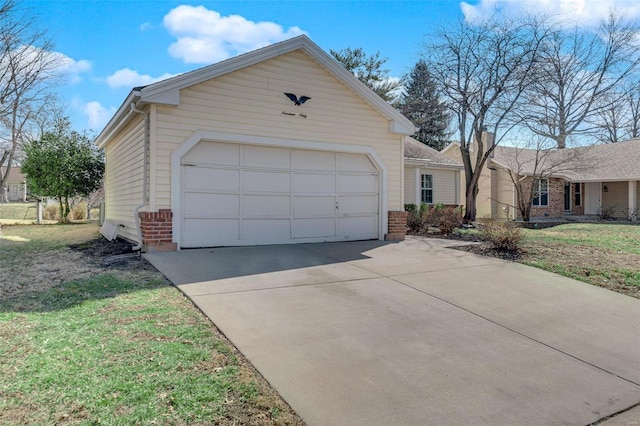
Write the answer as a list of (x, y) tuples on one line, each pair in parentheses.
[(120, 118), (145, 196)]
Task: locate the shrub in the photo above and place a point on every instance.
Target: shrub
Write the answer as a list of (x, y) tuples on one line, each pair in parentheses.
[(79, 211), (51, 212), (606, 213), (450, 218), (444, 218), (416, 217), (504, 235)]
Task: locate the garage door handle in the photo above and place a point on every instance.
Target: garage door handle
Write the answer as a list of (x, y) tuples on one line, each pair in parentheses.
[(337, 205)]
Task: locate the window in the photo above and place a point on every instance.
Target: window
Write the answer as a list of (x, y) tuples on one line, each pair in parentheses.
[(577, 194), (427, 189), (541, 193)]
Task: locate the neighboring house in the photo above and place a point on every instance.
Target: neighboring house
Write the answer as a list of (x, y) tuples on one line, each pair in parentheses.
[(582, 181), (278, 145), (16, 187), (429, 176)]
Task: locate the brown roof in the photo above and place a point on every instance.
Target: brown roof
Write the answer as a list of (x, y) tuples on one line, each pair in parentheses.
[(596, 163), (415, 149), (15, 175)]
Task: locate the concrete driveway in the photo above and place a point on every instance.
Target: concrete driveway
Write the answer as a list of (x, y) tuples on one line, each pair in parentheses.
[(414, 333)]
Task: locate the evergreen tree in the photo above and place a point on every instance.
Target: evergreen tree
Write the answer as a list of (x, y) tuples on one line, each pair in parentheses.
[(421, 104), (369, 70)]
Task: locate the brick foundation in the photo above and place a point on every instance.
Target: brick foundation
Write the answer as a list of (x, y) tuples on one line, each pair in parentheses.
[(397, 226), (157, 231)]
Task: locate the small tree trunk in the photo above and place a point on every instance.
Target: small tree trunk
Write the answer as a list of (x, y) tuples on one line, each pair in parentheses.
[(470, 204), (67, 210), (61, 210)]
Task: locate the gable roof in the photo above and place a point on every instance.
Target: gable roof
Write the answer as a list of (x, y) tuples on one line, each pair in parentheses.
[(597, 163), (416, 150), (15, 175), (168, 91)]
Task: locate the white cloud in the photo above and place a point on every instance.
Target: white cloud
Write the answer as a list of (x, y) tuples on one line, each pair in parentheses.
[(52, 64), (205, 36), (97, 115), (70, 68), (146, 26), (129, 78), (571, 12)]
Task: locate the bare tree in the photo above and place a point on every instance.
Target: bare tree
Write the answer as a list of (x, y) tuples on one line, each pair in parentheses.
[(536, 159), (611, 119), (26, 64), (576, 71), (482, 70), (632, 103)]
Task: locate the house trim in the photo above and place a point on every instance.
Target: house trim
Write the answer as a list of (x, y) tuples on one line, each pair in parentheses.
[(168, 91), (196, 137)]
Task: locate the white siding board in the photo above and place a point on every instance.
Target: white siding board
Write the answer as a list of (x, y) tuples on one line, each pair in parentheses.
[(123, 178), (250, 102)]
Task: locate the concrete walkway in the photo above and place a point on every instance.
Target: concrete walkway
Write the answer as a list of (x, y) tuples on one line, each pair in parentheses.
[(414, 333)]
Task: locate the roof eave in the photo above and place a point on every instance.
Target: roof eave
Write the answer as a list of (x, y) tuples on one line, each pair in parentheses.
[(119, 119)]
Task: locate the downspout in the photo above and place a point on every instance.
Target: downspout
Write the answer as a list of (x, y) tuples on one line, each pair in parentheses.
[(145, 196)]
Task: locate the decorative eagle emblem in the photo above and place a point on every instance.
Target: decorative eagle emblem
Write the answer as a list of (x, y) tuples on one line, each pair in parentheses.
[(297, 101)]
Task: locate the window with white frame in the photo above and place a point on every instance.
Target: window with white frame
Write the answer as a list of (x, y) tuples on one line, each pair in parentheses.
[(426, 189), (541, 193)]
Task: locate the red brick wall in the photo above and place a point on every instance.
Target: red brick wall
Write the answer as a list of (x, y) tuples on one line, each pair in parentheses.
[(397, 226), (157, 230), (556, 200)]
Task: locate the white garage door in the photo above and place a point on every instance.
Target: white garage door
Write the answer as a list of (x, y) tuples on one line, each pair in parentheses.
[(235, 194)]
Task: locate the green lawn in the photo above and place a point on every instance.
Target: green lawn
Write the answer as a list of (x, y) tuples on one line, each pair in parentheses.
[(117, 346)]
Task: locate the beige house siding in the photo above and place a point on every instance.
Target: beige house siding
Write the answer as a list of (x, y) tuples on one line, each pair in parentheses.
[(250, 102), (445, 185), (503, 195), (410, 184), (616, 196), (123, 179), (638, 199), (484, 203)]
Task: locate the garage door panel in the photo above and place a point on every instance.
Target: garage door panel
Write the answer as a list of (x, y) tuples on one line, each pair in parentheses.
[(358, 227), (215, 153), (314, 160), (267, 157), (354, 163), (266, 231), (210, 179), (203, 204), (306, 206), (266, 182), (358, 205), (210, 232), (266, 205), (235, 194), (314, 228), (356, 183), (314, 183)]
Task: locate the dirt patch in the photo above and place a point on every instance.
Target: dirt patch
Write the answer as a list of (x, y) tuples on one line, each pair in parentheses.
[(41, 271)]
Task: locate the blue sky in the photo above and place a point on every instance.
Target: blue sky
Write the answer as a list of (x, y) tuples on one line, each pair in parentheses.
[(111, 46)]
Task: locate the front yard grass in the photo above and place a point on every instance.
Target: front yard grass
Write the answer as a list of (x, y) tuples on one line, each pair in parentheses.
[(84, 343), (606, 255)]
